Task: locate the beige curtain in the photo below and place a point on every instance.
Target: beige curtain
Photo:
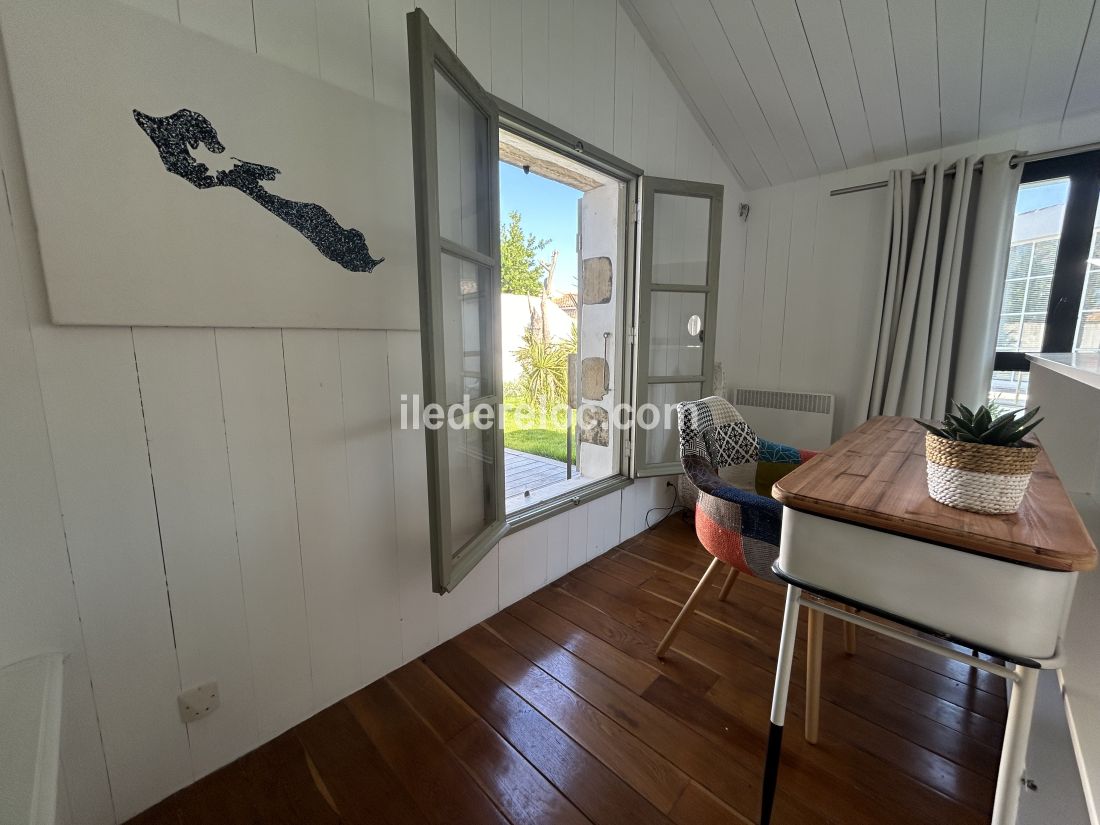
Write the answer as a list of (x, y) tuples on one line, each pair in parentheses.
[(940, 294)]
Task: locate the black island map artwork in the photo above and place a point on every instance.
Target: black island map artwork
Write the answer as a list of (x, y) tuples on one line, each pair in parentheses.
[(175, 135)]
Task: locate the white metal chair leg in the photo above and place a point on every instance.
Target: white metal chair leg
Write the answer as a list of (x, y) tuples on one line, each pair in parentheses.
[(779, 701), (731, 577), (1010, 775), (688, 608)]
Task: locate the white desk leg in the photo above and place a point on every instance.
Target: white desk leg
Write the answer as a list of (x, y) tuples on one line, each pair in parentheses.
[(779, 701), (1011, 772)]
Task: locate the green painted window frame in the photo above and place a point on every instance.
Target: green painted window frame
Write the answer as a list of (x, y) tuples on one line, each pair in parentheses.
[(428, 52), (649, 188)]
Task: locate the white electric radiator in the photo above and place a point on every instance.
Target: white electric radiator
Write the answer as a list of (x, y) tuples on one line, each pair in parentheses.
[(800, 419)]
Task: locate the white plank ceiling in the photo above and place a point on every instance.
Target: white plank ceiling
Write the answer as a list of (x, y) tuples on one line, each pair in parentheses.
[(794, 88)]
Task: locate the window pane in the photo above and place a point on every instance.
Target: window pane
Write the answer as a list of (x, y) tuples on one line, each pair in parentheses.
[(1009, 389), (663, 443), (465, 292), (1088, 322), (463, 161), (470, 460), (1019, 260), (673, 349), (1036, 232), (1038, 293), (1014, 298), (1031, 335), (681, 226)]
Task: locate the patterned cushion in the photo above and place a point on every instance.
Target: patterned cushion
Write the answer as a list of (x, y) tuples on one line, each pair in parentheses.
[(776, 460), (734, 524), (713, 430)]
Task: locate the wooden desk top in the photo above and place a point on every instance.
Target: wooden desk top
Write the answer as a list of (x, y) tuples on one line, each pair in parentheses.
[(875, 477)]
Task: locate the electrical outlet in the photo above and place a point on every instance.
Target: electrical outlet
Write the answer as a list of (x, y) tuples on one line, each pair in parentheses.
[(199, 701)]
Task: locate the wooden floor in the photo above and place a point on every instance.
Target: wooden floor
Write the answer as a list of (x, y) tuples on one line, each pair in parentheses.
[(556, 711)]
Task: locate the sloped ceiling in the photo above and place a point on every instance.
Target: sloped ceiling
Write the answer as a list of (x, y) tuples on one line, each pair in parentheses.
[(794, 88)]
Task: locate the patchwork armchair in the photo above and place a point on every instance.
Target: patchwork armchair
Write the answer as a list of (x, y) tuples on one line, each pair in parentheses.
[(739, 528)]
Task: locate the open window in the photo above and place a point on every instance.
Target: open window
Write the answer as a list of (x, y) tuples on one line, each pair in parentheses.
[(455, 125), (678, 257), (631, 309)]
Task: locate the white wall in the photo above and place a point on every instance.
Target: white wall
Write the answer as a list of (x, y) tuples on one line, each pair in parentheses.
[(803, 317), (180, 505)]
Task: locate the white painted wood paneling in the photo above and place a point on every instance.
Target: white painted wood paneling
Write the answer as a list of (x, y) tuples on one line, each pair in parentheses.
[(506, 46), (343, 44), (389, 51), (536, 57), (624, 83), (705, 31), (1059, 38), (557, 546), (960, 26), (474, 36), (230, 21), (745, 34), (286, 31), (38, 610), (418, 606), (603, 524), (801, 355), (578, 537), (1008, 25), (475, 599), (743, 366), (602, 79), (583, 66), (643, 66), (257, 425), (560, 50), (697, 82), (441, 13), (868, 24), (823, 21), (182, 403), (1084, 96), (774, 300), (523, 563), (333, 567), (365, 380), (161, 8), (782, 25), (918, 72), (93, 409)]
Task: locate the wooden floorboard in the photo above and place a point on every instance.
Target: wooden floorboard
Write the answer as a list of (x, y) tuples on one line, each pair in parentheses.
[(556, 710)]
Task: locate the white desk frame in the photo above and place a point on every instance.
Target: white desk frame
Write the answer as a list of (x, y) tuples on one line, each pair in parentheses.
[(1010, 774)]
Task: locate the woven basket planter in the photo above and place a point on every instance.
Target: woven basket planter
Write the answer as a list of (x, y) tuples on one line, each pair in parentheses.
[(982, 478)]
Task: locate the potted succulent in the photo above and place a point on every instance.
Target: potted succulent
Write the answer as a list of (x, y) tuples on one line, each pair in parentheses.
[(979, 460)]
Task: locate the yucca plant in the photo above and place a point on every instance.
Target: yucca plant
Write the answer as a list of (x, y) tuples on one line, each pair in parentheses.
[(985, 426), (544, 370)]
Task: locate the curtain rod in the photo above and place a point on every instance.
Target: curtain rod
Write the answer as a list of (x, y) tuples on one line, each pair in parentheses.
[(1016, 158)]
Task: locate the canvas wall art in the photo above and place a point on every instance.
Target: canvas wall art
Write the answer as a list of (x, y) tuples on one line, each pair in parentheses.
[(179, 181)]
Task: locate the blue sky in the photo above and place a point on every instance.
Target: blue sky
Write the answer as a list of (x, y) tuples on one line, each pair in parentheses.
[(1044, 194), (549, 210)]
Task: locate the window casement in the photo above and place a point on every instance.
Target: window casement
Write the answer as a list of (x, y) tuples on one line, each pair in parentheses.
[(667, 241)]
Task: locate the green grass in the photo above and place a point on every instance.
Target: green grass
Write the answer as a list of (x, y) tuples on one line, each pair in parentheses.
[(548, 441)]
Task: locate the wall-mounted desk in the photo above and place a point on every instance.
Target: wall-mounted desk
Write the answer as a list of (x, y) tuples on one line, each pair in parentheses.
[(860, 529)]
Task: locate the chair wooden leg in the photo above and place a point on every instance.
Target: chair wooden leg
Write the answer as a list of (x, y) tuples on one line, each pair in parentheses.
[(813, 674), (688, 609), (849, 634), (731, 577)]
